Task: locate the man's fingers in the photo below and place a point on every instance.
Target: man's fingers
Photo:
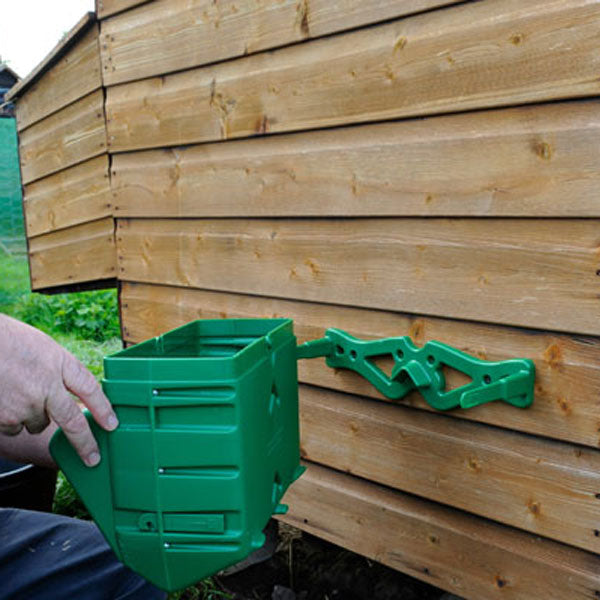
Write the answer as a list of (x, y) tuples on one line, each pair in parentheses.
[(79, 381), (38, 423), (62, 409), (11, 429)]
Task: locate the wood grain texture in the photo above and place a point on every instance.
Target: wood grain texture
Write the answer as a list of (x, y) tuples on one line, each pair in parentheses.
[(70, 197), (65, 138), (531, 273), (173, 35), (83, 253), (75, 75), (466, 555), (63, 46), (548, 488), (106, 8), (533, 161), (475, 55), (567, 367)]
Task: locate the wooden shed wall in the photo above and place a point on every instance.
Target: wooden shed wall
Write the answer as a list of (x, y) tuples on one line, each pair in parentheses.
[(472, 56), (476, 225), (473, 557), (172, 35), (530, 161), (400, 167), (65, 165)]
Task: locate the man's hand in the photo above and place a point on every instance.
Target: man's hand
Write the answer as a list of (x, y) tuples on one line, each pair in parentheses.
[(36, 376)]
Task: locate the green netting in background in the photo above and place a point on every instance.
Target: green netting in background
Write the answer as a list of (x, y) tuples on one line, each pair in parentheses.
[(12, 231)]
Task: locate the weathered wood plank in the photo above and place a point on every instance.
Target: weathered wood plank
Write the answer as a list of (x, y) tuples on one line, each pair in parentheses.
[(75, 75), (70, 197), (106, 8), (567, 367), (82, 253), (173, 35), (532, 273), (513, 478), (53, 56), (475, 55), (65, 138), (472, 557), (530, 161)]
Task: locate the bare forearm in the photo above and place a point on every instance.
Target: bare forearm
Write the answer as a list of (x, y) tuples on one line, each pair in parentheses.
[(28, 448)]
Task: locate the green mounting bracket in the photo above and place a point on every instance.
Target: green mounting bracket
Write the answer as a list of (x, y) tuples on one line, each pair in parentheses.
[(422, 369)]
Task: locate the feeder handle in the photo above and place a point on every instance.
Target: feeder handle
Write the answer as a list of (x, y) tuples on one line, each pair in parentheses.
[(422, 369)]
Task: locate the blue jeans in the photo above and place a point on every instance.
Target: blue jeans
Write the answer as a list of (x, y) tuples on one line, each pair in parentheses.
[(51, 557)]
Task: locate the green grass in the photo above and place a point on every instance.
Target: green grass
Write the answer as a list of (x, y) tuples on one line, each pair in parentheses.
[(205, 590), (90, 353), (66, 501), (14, 282)]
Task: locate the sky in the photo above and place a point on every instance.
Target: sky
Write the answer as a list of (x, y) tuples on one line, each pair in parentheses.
[(29, 29)]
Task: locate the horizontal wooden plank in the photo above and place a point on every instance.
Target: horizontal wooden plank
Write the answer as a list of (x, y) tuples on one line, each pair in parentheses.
[(472, 557), (74, 76), (475, 55), (567, 367), (65, 138), (70, 197), (513, 478), (172, 35), (106, 8), (83, 253), (531, 161), (64, 45), (532, 273)]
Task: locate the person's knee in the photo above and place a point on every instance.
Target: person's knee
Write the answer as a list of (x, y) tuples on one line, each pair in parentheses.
[(50, 556), (139, 589)]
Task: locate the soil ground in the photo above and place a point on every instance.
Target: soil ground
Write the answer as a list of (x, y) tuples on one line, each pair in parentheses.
[(304, 567)]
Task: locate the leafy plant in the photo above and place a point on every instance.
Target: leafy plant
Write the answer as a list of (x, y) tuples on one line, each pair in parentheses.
[(84, 315), (87, 315)]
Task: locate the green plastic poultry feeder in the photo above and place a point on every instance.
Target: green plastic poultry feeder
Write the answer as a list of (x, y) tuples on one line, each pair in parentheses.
[(208, 440)]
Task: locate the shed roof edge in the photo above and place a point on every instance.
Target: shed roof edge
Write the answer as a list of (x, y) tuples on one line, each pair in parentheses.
[(55, 54)]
